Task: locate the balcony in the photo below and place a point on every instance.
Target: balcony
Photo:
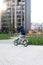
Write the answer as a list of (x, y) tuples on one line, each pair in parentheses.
[(23, 3), (18, 7)]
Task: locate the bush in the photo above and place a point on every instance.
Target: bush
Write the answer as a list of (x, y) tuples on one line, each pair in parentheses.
[(35, 40)]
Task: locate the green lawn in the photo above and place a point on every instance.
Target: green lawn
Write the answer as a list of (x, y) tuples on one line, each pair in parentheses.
[(35, 40), (5, 36)]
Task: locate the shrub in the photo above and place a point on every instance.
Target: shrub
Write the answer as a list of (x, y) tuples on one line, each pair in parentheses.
[(35, 40)]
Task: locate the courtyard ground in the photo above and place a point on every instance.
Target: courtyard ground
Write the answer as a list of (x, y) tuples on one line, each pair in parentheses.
[(20, 55)]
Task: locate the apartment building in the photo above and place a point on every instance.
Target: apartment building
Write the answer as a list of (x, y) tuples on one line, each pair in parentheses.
[(18, 13)]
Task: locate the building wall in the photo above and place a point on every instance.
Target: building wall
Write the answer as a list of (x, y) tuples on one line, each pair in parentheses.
[(28, 15), (0, 21)]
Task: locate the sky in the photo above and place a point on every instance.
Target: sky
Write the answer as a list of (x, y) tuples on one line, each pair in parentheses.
[(2, 5), (37, 11)]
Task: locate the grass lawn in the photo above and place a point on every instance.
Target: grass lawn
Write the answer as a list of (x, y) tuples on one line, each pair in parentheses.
[(5, 36), (35, 40)]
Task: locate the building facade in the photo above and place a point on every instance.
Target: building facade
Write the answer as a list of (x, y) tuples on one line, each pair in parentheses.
[(18, 13)]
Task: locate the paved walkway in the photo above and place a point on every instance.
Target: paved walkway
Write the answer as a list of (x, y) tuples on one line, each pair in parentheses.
[(20, 55)]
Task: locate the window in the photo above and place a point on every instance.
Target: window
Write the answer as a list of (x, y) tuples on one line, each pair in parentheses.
[(19, 20), (19, 0), (18, 24)]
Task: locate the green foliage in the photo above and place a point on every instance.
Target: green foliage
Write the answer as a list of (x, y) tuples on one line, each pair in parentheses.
[(4, 36), (35, 40)]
